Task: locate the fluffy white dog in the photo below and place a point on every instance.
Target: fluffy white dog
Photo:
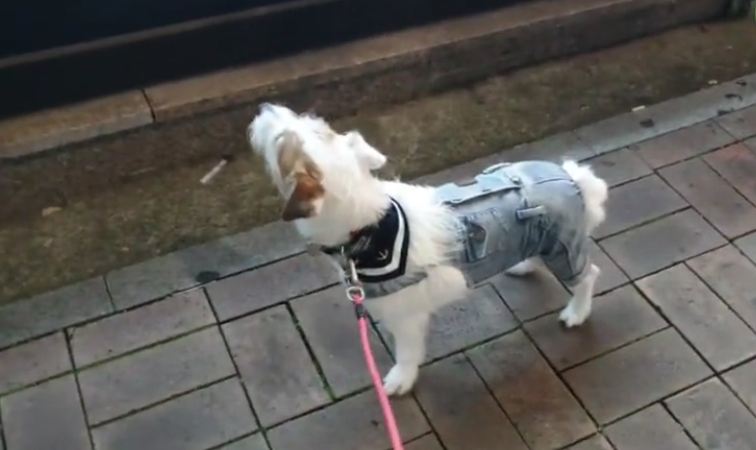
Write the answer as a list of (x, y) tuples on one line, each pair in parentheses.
[(418, 248)]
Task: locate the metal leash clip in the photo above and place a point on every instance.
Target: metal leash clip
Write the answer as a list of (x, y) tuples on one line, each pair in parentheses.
[(353, 286)]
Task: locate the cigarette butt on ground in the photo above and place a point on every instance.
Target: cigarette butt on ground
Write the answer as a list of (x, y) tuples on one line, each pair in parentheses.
[(214, 171), (639, 108)]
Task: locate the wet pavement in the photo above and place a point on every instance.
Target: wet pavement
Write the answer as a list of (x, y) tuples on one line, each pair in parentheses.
[(248, 343)]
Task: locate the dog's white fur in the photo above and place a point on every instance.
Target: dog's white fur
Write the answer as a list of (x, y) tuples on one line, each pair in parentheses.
[(354, 198)]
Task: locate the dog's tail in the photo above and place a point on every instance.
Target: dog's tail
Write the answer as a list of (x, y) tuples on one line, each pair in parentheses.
[(595, 192)]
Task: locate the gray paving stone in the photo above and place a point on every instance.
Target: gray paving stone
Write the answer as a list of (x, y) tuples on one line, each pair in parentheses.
[(662, 243), (33, 361), (682, 144), (131, 330), (184, 269), (53, 310), (712, 196), (427, 442), (269, 285), (649, 429), (458, 404), (742, 380), (136, 381), (737, 164), (619, 166), (638, 202), (328, 321), (199, 420), (353, 423), (747, 245), (703, 105), (733, 277), (716, 332), (611, 275), (636, 375), (465, 323), (556, 148), (714, 417), (618, 317), (536, 401), (275, 366), (596, 442), (741, 124), (618, 132), (254, 442), (531, 296), (46, 416), (668, 116)]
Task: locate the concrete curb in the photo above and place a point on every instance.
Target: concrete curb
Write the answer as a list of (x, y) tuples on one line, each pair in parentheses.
[(375, 71)]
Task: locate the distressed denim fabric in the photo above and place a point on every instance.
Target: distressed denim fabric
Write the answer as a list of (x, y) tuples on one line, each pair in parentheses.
[(508, 213), (511, 212)]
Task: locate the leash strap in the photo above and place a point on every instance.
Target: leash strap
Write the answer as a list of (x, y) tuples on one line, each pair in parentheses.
[(356, 295)]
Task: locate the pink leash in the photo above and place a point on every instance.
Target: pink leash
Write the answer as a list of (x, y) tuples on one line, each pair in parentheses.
[(356, 294)]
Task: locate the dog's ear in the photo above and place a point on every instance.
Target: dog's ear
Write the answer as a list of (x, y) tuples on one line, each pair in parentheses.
[(300, 171), (367, 155)]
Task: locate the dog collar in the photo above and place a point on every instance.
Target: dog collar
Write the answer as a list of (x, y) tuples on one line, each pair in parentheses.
[(379, 251)]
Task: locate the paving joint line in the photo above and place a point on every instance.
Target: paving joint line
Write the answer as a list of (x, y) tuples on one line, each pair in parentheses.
[(738, 396), (36, 383), (674, 263), (723, 178), (491, 393), (701, 156), (243, 385), (196, 285), (140, 349), (662, 400), (272, 305), (643, 223), (79, 392), (723, 300), (564, 382), (113, 308), (162, 401), (666, 408), (615, 349), (311, 353)]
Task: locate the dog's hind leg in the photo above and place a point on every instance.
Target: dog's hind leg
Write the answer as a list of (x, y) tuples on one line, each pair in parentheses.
[(579, 307)]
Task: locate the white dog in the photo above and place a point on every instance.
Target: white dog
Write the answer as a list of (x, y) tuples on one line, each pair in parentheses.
[(418, 248)]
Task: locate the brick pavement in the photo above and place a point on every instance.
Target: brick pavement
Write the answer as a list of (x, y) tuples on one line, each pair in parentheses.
[(246, 344)]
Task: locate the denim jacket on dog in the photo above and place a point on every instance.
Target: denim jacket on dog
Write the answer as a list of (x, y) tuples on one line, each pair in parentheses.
[(512, 212), (508, 213)]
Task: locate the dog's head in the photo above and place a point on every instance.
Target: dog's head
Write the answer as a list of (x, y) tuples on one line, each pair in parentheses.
[(310, 163)]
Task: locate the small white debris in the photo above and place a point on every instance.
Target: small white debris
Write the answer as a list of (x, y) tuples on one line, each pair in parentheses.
[(713, 82), (639, 108), (214, 171), (50, 210)]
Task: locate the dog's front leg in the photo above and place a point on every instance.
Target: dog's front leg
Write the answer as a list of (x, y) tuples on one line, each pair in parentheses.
[(409, 348)]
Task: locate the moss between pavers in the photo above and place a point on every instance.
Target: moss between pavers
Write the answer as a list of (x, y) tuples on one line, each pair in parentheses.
[(171, 210)]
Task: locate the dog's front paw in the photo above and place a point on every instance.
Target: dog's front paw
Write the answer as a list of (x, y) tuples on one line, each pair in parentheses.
[(572, 317), (400, 379)]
